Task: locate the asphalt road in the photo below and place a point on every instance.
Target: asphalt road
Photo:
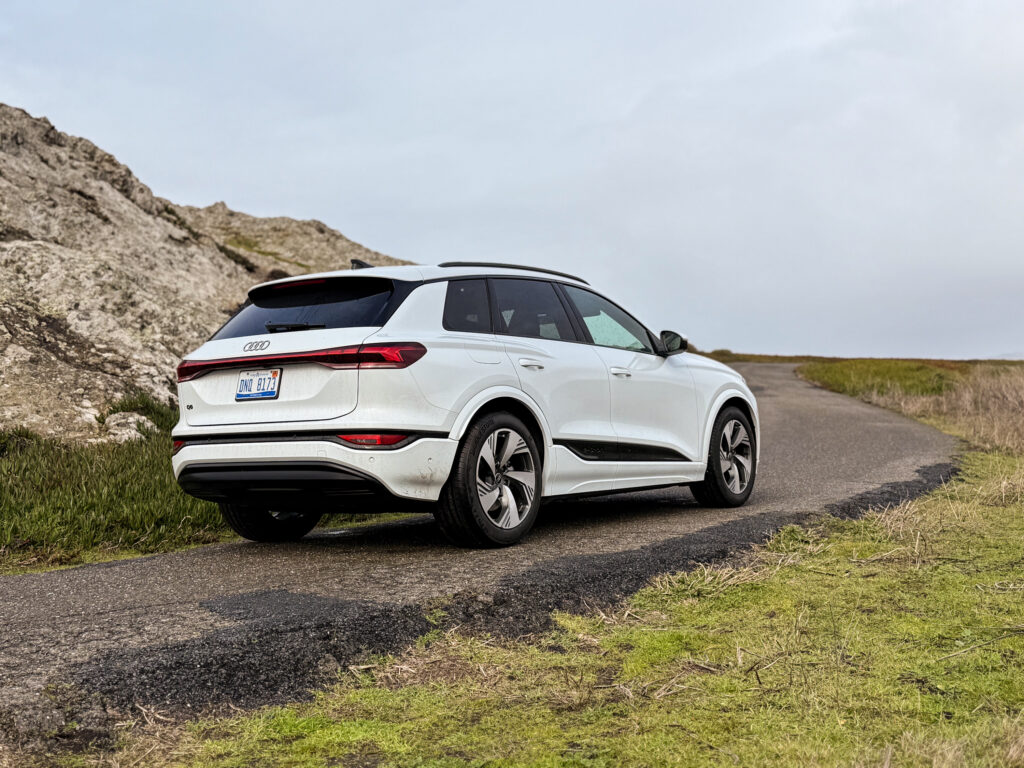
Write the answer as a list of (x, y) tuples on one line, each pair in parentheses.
[(243, 624)]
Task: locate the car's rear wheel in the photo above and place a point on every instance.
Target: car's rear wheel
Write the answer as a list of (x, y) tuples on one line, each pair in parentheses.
[(259, 524), (493, 494), (732, 462)]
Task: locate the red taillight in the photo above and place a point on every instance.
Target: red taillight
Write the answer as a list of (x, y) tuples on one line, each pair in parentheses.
[(373, 439), (345, 357), (390, 355), (176, 446), (365, 356)]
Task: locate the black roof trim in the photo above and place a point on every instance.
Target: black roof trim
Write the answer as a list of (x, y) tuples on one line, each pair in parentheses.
[(511, 266)]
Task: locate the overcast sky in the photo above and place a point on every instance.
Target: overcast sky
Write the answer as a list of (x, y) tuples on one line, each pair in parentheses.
[(796, 177)]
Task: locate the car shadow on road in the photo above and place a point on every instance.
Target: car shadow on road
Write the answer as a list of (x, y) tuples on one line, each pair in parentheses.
[(557, 517)]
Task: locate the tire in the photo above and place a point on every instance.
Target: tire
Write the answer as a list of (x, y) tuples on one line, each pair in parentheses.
[(257, 524), (732, 462), (493, 493)]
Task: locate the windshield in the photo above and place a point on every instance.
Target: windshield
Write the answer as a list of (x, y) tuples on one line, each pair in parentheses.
[(331, 302)]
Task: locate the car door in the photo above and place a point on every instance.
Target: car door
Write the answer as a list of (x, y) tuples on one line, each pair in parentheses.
[(653, 398), (567, 378)]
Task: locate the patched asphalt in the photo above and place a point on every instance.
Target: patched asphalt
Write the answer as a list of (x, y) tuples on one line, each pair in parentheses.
[(241, 625)]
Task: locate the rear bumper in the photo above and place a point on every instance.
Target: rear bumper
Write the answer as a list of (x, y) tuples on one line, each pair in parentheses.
[(275, 483), (317, 470)]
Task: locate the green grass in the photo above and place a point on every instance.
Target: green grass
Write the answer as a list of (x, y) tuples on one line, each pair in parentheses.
[(909, 377), (62, 504), (897, 639), (727, 356), (163, 417), (65, 504)]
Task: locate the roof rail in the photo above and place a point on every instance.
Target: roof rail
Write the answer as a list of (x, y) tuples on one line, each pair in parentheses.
[(511, 266)]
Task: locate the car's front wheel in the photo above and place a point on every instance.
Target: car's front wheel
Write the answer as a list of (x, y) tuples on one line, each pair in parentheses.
[(493, 494), (259, 524), (732, 462)]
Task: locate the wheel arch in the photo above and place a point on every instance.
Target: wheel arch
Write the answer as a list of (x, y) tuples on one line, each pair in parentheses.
[(510, 401), (738, 399)]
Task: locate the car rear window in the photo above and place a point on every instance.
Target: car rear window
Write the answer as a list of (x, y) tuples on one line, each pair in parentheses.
[(332, 302)]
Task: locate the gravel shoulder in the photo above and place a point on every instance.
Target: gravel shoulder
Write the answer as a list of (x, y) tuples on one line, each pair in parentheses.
[(243, 625)]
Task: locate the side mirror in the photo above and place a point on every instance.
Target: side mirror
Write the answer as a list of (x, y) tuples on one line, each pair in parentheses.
[(674, 343)]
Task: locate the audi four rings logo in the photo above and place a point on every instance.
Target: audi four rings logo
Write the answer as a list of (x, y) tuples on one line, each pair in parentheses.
[(255, 346)]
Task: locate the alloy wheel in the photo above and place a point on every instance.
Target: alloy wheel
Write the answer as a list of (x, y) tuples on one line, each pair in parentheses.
[(506, 478), (736, 458)]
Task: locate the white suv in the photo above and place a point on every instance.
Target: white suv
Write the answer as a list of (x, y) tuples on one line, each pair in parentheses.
[(481, 388)]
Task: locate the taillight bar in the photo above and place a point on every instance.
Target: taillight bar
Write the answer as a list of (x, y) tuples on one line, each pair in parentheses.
[(398, 355)]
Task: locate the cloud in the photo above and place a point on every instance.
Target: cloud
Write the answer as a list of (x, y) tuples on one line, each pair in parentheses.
[(794, 177)]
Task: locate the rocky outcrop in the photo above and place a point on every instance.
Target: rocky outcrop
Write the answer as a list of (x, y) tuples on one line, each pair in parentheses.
[(104, 286), (278, 245)]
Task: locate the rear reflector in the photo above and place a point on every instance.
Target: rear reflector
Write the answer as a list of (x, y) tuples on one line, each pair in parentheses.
[(373, 439), (176, 446), (398, 355)]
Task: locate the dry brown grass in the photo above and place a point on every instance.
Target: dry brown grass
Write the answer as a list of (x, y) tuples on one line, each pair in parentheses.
[(1001, 745), (1004, 491), (445, 661), (706, 581), (1015, 750), (986, 407), (955, 507)]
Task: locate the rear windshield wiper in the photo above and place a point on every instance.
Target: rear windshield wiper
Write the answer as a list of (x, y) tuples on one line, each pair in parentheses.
[(282, 327)]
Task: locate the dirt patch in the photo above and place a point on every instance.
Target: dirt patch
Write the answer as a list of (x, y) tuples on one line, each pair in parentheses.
[(433, 665)]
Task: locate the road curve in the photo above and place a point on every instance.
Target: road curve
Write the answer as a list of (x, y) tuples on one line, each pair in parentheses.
[(246, 624)]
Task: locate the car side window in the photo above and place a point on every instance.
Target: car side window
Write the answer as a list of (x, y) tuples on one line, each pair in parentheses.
[(466, 307), (530, 308), (608, 325)]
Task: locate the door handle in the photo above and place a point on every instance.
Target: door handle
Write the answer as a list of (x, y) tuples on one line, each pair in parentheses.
[(528, 362), (621, 372)]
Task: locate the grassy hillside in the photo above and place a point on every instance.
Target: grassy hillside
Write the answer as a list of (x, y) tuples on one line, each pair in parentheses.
[(894, 640)]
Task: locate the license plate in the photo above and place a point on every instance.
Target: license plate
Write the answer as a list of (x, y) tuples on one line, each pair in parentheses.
[(258, 385)]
